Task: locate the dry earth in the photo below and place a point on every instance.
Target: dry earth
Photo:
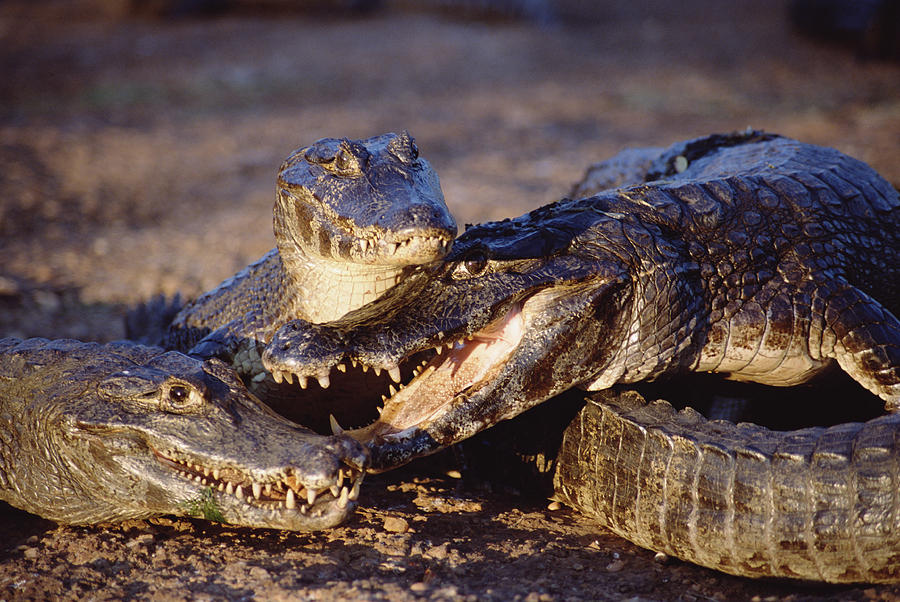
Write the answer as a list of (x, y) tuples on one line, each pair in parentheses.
[(137, 157)]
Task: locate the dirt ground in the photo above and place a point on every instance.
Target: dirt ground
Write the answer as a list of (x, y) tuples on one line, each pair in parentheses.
[(138, 155)]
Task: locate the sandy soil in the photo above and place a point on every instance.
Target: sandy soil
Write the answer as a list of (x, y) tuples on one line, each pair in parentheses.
[(138, 157)]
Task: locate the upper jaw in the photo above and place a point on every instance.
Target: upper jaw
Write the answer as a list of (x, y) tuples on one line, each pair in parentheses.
[(303, 350)]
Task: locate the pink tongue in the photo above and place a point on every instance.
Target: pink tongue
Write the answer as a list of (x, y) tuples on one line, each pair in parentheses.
[(447, 375)]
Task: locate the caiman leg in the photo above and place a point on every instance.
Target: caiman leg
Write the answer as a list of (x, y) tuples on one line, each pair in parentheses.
[(866, 343)]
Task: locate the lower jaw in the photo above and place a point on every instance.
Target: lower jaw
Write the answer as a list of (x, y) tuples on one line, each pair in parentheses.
[(402, 430)]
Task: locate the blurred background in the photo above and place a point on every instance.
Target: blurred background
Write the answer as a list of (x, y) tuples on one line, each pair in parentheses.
[(139, 144), (139, 139)]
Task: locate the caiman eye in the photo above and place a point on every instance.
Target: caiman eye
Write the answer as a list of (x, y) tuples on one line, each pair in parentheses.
[(178, 395), (349, 159), (473, 265), (343, 161), (476, 265), (180, 399)]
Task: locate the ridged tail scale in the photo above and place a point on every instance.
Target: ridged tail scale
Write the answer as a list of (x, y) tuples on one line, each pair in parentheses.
[(818, 503)]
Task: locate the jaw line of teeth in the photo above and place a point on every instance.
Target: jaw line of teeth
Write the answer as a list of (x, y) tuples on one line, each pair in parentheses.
[(287, 376), (324, 379), (342, 494), (393, 247)]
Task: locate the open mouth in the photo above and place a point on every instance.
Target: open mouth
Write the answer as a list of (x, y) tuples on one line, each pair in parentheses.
[(441, 374), (282, 490), (456, 369)]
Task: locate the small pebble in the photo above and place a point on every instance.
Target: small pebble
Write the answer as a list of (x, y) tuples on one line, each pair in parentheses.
[(9, 287), (418, 587), (661, 558), (438, 552), (31, 553), (395, 524), (554, 506), (454, 474), (615, 566)]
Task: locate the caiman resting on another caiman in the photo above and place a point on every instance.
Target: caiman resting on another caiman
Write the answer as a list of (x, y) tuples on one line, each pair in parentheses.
[(750, 255), (94, 433), (351, 219)]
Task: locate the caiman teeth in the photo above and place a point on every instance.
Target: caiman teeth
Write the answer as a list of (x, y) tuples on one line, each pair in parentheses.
[(324, 381), (335, 427), (280, 376), (449, 345), (280, 493), (418, 369), (394, 372)]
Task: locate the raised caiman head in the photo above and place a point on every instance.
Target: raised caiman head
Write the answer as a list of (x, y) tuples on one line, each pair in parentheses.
[(351, 215), (93, 433)]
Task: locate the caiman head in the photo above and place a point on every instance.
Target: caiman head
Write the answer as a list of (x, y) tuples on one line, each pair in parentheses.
[(358, 211), (519, 311), (122, 431)]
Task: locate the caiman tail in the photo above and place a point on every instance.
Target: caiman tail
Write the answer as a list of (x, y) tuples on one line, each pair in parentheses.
[(818, 503)]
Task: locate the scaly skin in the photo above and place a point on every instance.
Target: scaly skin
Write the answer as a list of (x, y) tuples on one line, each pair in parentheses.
[(352, 218), (817, 504), (93, 433), (753, 256)]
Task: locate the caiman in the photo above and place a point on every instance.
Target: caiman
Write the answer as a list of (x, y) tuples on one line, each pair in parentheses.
[(351, 219), (749, 255), (94, 433)]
